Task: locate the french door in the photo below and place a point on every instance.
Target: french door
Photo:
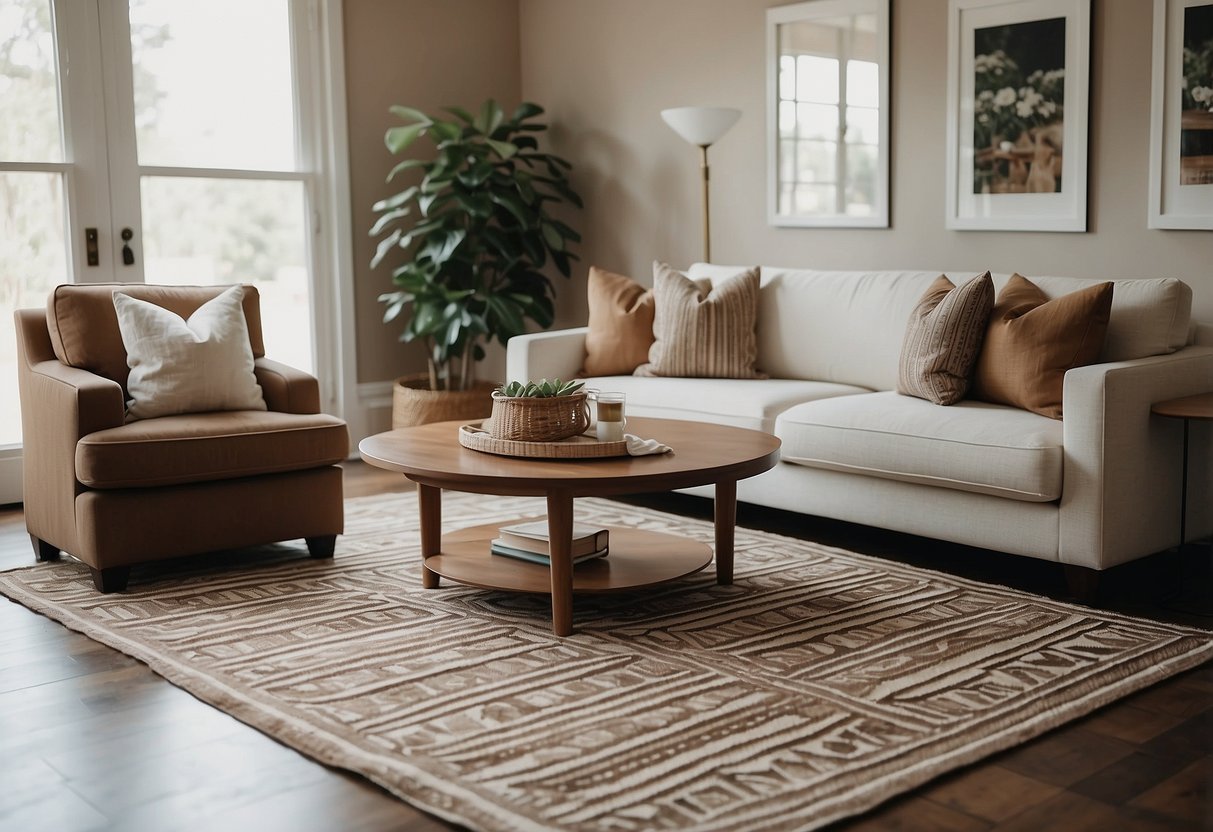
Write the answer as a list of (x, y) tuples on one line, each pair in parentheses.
[(173, 142)]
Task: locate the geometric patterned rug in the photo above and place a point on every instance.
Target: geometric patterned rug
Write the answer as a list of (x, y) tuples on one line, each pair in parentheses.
[(821, 683)]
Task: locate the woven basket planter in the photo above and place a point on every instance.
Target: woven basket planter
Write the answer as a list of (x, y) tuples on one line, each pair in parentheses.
[(414, 403), (530, 419)]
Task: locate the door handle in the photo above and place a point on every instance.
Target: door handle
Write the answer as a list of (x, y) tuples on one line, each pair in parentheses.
[(128, 256)]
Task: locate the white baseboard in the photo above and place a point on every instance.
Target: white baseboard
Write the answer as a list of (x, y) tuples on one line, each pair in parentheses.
[(10, 477), (371, 414)]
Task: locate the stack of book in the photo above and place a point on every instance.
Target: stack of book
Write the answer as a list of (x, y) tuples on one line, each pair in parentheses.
[(529, 541)]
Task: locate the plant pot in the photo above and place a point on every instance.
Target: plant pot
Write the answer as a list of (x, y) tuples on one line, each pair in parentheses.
[(414, 403)]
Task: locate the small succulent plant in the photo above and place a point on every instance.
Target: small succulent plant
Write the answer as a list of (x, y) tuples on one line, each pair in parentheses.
[(542, 389)]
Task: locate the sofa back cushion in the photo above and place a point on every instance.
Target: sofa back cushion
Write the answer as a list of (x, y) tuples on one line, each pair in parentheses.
[(847, 326), (83, 324)]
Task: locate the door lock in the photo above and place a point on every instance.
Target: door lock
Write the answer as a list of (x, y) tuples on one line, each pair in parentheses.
[(90, 247)]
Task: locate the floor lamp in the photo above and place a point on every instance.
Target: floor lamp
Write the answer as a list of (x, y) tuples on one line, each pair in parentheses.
[(702, 126)]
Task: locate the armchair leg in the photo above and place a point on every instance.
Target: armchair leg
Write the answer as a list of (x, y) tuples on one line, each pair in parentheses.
[(321, 547), (111, 579), (43, 551), (1083, 583)]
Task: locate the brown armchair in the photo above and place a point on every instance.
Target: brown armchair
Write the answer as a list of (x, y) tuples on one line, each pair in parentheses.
[(115, 494)]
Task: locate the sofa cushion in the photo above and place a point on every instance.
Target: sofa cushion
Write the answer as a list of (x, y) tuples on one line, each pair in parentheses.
[(208, 446), (847, 326), (703, 331), (620, 325), (971, 446), (743, 403), (1149, 317), (193, 365), (943, 339), (83, 324), (1033, 341)]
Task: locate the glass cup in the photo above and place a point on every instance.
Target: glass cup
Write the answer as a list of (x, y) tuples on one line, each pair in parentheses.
[(609, 418)]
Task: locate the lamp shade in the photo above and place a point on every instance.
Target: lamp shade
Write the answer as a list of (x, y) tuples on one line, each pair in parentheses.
[(701, 125)]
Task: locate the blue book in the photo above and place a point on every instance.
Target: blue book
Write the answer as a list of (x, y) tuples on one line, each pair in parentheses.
[(499, 548)]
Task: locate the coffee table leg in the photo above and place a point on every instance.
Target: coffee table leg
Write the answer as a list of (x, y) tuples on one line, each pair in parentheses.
[(429, 499), (560, 540), (726, 522)]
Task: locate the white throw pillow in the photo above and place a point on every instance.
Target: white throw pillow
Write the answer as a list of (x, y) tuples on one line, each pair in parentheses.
[(180, 366)]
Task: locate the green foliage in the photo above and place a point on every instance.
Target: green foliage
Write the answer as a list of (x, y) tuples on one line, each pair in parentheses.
[(478, 229), (542, 389)]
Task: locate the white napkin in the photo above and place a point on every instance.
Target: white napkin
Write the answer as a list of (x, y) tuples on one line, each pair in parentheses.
[(644, 447)]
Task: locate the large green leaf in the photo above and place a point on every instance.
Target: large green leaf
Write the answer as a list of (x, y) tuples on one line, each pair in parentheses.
[(525, 110), (385, 245), (395, 200), (504, 149), (460, 113), (552, 237), (409, 113), (515, 206), (508, 313), (405, 165), (389, 218), (489, 117), (398, 138)]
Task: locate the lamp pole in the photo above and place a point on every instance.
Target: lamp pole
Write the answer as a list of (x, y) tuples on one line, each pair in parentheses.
[(707, 229)]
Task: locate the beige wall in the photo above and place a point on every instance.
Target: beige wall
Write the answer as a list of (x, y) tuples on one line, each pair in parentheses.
[(604, 70), (425, 54)]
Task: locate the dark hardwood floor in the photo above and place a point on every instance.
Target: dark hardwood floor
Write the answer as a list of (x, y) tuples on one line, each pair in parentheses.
[(91, 739)]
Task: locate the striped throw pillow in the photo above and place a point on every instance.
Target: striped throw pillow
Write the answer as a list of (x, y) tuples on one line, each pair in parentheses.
[(943, 339), (703, 331)]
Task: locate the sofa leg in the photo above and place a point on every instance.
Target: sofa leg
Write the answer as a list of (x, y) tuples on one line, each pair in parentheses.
[(321, 547), (1083, 583), (43, 551), (111, 579)]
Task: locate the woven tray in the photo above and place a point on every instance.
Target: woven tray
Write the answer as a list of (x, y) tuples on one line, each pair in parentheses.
[(575, 447)]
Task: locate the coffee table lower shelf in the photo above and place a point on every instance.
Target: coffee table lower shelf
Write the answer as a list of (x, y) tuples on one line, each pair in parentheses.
[(637, 558)]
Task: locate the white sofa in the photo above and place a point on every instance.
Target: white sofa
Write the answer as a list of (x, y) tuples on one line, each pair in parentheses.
[(1097, 489)]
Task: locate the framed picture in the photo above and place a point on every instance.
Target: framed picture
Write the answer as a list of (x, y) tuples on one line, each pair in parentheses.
[(1181, 115), (1017, 114)]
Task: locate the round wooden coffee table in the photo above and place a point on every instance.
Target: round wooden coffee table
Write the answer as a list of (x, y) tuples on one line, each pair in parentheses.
[(431, 456)]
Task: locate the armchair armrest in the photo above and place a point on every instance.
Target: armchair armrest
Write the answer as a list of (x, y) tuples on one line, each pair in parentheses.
[(558, 354), (287, 390), (1121, 487), (59, 405)]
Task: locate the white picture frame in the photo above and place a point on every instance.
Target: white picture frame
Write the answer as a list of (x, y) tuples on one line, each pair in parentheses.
[(1174, 202), (995, 183), (875, 208)]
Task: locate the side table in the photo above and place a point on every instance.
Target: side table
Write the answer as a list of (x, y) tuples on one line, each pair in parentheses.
[(1195, 597), (1188, 408)]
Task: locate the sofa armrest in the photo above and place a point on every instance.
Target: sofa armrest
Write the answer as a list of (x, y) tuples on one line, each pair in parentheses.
[(1122, 477), (557, 354), (287, 390)]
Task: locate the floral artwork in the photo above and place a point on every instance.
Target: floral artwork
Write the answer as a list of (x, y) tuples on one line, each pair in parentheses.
[(1019, 107), (1196, 90)]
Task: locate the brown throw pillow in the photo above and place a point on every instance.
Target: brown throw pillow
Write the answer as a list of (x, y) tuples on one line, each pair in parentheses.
[(702, 331), (621, 324), (943, 339), (1032, 341)]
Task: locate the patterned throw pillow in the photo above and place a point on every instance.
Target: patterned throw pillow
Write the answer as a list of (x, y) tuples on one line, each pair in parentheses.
[(703, 331), (943, 339), (1032, 341), (621, 324)]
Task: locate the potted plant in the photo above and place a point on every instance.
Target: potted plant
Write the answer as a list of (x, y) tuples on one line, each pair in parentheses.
[(479, 231), (539, 411)]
